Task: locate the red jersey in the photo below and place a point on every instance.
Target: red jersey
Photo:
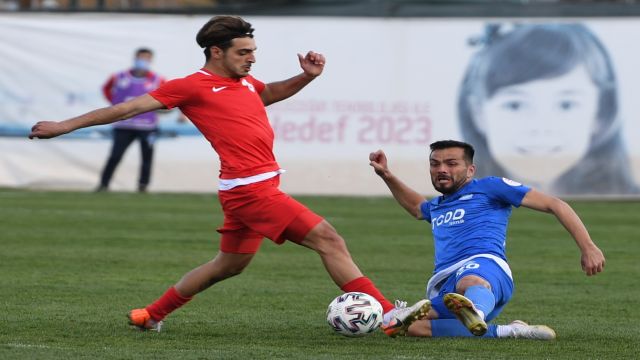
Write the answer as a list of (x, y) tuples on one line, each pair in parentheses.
[(230, 114)]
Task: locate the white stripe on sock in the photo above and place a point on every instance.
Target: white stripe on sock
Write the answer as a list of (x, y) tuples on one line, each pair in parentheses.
[(503, 331)]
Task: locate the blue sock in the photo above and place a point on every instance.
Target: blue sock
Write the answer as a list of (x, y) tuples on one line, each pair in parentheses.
[(482, 298), (454, 328)]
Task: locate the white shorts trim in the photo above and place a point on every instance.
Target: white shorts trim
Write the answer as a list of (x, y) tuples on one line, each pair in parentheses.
[(437, 280), (228, 184)]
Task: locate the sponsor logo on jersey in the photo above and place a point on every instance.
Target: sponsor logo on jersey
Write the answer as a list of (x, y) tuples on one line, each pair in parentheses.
[(449, 218), (466, 197), (249, 85), (215, 89)]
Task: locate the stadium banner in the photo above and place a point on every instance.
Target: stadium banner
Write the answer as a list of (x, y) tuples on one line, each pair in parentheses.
[(546, 102)]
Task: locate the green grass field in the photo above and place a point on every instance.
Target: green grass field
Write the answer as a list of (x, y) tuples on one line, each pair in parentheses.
[(73, 264)]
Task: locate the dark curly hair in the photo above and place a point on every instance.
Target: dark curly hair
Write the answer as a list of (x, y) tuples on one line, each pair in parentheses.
[(220, 30)]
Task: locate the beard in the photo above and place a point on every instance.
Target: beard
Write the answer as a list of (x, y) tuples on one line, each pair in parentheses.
[(448, 189)]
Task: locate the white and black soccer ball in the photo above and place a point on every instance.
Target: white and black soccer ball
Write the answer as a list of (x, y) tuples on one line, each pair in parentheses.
[(354, 314)]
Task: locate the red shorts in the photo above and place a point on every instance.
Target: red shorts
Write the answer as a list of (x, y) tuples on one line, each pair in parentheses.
[(255, 211)]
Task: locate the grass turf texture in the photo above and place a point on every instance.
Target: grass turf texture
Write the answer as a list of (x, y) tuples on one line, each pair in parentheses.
[(73, 264)]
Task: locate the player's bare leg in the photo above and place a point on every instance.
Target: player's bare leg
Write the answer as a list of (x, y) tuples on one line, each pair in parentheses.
[(345, 273), (325, 240), (420, 328), (223, 266)]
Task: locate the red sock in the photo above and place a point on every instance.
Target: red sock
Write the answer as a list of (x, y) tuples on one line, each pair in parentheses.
[(166, 304), (363, 284)]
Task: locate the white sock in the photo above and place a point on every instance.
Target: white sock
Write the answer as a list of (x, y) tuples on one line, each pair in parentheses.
[(503, 331), (386, 318)]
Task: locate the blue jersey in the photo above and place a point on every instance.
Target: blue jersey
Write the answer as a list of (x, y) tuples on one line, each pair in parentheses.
[(473, 220)]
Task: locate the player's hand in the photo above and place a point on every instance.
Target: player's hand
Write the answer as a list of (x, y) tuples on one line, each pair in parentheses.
[(47, 130), (312, 64), (378, 160), (592, 261)]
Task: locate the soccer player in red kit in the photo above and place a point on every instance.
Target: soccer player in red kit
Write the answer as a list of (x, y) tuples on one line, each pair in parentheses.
[(227, 105)]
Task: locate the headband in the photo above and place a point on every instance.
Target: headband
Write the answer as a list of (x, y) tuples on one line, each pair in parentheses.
[(229, 38)]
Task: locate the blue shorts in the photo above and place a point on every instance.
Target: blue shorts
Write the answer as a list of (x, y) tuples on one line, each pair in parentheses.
[(501, 285)]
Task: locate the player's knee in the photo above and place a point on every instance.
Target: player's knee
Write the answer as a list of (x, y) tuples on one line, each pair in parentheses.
[(326, 240), (469, 281), (227, 272), (226, 266), (234, 271)]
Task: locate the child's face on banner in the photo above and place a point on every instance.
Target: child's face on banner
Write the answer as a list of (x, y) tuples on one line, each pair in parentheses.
[(540, 129)]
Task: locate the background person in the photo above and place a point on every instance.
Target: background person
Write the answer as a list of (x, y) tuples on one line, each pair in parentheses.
[(120, 87)]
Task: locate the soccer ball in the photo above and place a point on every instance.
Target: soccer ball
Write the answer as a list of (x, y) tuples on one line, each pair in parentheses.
[(354, 314)]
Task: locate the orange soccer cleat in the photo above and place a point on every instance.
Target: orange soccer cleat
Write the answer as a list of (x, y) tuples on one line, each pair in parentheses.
[(141, 319)]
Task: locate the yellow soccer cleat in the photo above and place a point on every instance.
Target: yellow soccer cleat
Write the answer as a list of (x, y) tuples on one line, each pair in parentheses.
[(466, 312)]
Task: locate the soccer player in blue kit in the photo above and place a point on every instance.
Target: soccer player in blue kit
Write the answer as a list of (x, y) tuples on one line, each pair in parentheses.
[(472, 280)]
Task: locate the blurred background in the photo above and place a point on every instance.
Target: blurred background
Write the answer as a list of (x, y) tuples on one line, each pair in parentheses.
[(544, 89), (405, 8)]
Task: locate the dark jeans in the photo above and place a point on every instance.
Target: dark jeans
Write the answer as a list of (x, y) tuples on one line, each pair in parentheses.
[(122, 138)]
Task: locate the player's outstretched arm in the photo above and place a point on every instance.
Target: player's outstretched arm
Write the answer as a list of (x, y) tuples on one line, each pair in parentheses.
[(107, 115), (592, 259), (408, 198), (312, 65)]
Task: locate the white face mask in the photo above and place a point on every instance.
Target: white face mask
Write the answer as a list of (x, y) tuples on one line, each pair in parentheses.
[(141, 64)]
